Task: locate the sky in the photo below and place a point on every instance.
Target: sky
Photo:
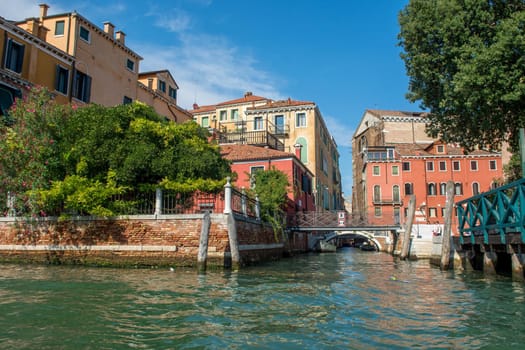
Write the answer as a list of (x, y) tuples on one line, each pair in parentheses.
[(342, 55)]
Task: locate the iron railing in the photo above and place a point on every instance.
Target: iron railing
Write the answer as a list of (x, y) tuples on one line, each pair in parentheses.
[(496, 212)]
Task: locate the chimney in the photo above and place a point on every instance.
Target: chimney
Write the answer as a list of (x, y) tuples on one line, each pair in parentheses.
[(247, 93), (32, 26), (121, 37), (109, 28), (43, 11), (298, 147), (195, 105)]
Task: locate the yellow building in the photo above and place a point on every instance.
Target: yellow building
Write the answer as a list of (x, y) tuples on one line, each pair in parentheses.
[(281, 125), (103, 70), (28, 60)]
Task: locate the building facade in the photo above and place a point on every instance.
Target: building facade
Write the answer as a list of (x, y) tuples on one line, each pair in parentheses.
[(393, 158), (246, 160), (282, 125), (95, 63)]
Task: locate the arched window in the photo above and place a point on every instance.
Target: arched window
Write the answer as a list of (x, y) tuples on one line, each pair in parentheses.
[(409, 189), (395, 194), (377, 193), (431, 189), (458, 188), (304, 149), (443, 188), (475, 188)]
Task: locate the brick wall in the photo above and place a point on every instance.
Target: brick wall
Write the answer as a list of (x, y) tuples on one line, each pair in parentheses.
[(170, 240)]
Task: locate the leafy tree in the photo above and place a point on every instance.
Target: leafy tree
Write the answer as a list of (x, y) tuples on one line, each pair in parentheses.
[(466, 63)]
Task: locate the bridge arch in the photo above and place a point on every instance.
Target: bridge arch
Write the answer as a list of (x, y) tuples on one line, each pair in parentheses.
[(381, 242)]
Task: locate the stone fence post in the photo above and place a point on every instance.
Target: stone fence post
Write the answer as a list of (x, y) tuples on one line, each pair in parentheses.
[(227, 197), (257, 208), (158, 202)]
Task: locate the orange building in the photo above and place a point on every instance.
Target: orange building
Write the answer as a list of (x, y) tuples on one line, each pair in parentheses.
[(82, 63), (247, 159), (394, 159)]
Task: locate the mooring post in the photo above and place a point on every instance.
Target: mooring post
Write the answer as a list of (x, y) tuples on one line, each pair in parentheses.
[(227, 197), (203, 242), (445, 243), (234, 242), (516, 259), (408, 229)]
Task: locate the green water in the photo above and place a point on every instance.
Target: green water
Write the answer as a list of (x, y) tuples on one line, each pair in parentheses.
[(347, 300)]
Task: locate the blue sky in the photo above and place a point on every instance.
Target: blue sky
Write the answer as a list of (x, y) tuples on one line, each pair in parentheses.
[(343, 55)]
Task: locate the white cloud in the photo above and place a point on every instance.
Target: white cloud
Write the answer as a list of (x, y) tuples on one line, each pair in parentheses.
[(341, 132), (19, 10), (208, 69), (178, 21)]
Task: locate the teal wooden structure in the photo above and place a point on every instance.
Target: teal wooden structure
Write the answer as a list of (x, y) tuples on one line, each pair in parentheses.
[(498, 212)]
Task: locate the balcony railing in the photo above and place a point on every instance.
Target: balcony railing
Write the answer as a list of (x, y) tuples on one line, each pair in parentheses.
[(387, 201), (256, 138)]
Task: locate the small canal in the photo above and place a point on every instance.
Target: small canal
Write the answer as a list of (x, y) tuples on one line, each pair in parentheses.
[(348, 300)]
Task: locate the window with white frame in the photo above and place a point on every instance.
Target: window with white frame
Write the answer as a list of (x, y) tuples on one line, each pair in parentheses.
[(223, 115), (475, 188), (493, 165), (377, 193), (300, 120), (443, 188), (234, 114), (431, 189), (59, 28), (458, 188), (430, 166), (376, 171), (442, 165), (432, 212), (456, 165), (440, 149), (205, 122), (474, 165), (258, 123), (396, 194), (395, 170)]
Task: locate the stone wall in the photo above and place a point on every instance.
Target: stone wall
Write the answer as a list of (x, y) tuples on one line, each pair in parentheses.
[(166, 240)]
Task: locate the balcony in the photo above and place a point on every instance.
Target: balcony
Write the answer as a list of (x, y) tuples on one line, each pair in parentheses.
[(387, 201), (254, 138)]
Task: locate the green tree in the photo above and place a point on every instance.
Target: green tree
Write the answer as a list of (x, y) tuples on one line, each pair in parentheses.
[(466, 64)]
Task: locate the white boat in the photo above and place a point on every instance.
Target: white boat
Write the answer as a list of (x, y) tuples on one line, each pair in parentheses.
[(327, 247)]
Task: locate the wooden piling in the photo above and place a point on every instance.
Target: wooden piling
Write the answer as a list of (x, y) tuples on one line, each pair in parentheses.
[(449, 208), (203, 242), (408, 229)]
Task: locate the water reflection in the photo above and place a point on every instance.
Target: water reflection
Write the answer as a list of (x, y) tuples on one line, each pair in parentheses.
[(350, 299)]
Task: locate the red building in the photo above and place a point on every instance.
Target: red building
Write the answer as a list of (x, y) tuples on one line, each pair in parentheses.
[(394, 159), (248, 159)]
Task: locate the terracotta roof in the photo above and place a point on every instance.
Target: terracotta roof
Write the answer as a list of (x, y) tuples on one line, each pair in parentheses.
[(202, 109), (246, 98), (249, 152), (282, 103)]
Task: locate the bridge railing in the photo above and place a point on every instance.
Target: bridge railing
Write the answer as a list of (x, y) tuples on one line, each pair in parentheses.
[(321, 219), (497, 212)]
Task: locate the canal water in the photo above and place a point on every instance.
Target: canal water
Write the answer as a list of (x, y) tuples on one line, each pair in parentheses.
[(347, 300)]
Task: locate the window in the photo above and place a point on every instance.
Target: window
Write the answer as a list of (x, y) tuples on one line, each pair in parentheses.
[(458, 188), (126, 100), (14, 57), (443, 188), (492, 165), (222, 115), (376, 171), (431, 189), (377, 193), (161, 85), (474, 165), (406, 166), (456, 166), (234, 114), (304, 149), (395, 194), (430, 166), (172, 93), (432, 212), (440, 149), (205, 122), (409, 188), (377, 211), (84, 34), (395, 170), (62, 79), (258, 123), (279, 124), (253, 171), (397, 219), (475, 188), (130, 64), (59, 28), (300, 120), (442, 166), (82, 87)]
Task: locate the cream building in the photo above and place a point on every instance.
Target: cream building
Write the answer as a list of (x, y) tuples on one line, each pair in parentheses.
[(282, 125)]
